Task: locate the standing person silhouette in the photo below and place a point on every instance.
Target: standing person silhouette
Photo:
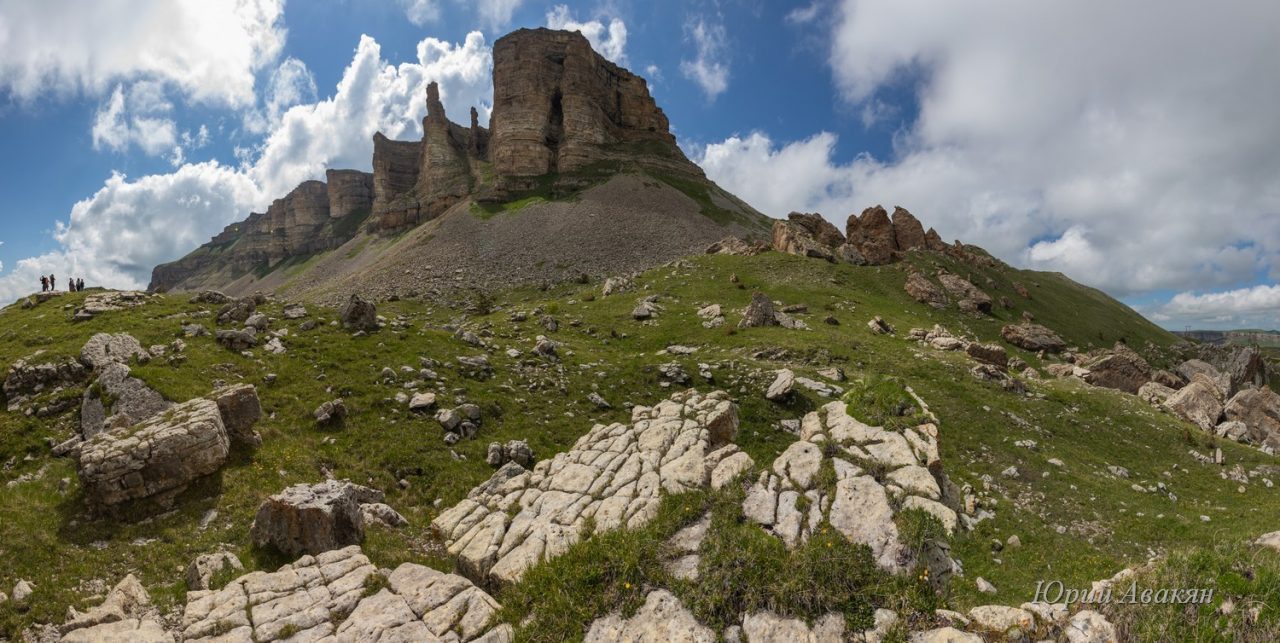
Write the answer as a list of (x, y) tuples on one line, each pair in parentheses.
[(52, 283), (44, 283)]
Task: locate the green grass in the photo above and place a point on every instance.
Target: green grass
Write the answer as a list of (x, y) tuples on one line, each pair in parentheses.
[(700, 192), (1077, 523), (489, 210), (1245, 578)]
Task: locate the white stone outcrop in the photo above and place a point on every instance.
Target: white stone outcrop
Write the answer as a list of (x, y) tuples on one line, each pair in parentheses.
[(790, 501), (614, 476), (325, 598)]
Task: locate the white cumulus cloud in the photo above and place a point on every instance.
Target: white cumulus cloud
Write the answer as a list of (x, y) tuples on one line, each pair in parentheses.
[(291, 83), (210, 50), (1130, 145), (1252, 307), (421, 12), (496, 14), (709, 68), (609, 41), (120, 123)]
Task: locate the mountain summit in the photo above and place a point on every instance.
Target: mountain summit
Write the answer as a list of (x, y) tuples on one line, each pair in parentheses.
[(576, 146)]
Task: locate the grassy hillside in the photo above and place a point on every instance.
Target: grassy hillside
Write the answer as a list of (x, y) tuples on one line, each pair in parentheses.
[(1077, 522)]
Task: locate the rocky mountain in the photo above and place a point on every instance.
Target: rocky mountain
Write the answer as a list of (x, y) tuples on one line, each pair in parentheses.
[(564, 121), (1245, 337)]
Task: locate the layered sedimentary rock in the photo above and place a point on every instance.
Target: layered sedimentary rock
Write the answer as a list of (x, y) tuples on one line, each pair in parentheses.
[(559, 106), (350, 192), (155, 459), (304, 221), (445, 174), (563, 119), (395, 174)]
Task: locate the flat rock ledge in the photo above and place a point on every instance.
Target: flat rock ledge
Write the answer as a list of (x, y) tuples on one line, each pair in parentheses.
[(861, 506), (329, 598), (613, 475)]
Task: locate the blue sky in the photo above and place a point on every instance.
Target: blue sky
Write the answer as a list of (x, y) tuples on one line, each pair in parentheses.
[(1066, 136)]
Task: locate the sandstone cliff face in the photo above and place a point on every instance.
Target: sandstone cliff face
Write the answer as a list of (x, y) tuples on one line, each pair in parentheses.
[(559, 106), (350, 192), (307, 220), (445, 176), (395, 174)]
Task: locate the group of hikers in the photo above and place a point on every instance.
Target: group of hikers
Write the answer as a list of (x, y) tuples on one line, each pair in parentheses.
[(49, 284)]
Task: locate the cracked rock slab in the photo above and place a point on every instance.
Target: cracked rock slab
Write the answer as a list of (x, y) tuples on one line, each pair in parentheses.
[(324, 598), (789, 502), (614, 476), (661, 619)]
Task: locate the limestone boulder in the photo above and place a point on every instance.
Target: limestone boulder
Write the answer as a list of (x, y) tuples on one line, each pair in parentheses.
[(238, 339), (782, 386), (1122, 369), (106, 348), (1088, 626), (924, 291), (331, 413), (1168, 379), (1190, 368), (992, 354), (155, 459), (240, 410), (732, 246), (1259, 410), (760, 312), (968, 297), (359, 314), (1199, 402), (517, 451), (807, 235), (1033, 337), (310, 519), (1154, 393), (237, 310), (1247, 369)]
